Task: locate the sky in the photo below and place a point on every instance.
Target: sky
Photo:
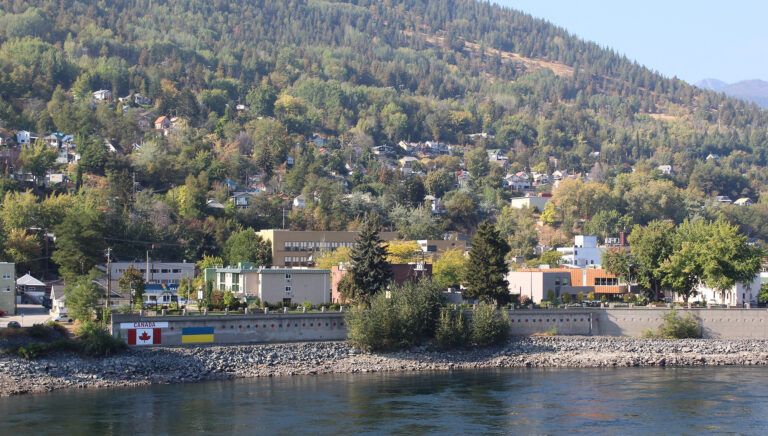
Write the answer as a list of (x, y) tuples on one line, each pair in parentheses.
[(690, 39)]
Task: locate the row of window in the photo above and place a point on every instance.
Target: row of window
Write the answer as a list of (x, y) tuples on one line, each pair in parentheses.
[(313, 245), (606, 281), (153, 271)]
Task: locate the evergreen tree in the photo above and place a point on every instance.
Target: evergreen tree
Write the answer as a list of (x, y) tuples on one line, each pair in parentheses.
[(485, 276), (370, 270)]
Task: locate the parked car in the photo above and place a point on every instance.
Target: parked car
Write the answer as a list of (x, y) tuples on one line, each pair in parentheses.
[(13, 325), (62, 317)]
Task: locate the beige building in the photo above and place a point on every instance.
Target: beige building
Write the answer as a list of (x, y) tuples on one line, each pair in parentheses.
[(538, 203), (301, 248), (8, 288), (274, 285)]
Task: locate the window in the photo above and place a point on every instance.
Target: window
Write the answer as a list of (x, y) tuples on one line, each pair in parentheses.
[(286, 301), (287, 276), (6, 275), (606, 281), (177, 271), (287, 289)]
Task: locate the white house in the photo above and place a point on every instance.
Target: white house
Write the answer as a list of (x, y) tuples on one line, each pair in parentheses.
[(583, 253), (273, 285), (300, 202), (739, 295), (665, 169), (102, 95), (744, 201), (518, 181), (723, 199)]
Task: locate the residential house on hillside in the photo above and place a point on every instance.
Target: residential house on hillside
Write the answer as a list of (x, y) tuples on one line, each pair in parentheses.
[(25, 137), (162, 123), (519, 181), (300, 202), (723, 199), (408, 164), (102, 95), (242, 199), (462, 178), (496, 156), (744, 201), (665, 169)]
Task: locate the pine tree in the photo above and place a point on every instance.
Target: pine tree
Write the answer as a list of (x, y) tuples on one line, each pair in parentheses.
[(370, 270), (485, 276)]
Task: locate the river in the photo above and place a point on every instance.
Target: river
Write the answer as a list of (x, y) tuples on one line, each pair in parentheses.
[(513, 401)]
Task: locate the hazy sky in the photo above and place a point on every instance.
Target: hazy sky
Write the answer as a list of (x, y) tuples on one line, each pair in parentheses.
[(692, 40)]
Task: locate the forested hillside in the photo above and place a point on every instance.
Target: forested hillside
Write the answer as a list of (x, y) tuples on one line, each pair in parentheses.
[(271, 100)]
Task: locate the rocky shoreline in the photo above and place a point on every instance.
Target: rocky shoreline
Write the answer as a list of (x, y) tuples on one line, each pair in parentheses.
[(182, 365)]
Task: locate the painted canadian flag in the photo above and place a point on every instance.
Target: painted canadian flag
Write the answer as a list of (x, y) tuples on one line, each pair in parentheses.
[(144, 337)]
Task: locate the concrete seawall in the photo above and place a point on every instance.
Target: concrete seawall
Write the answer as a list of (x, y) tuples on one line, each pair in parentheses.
[(232, 329), (269, 328), (715, 323)]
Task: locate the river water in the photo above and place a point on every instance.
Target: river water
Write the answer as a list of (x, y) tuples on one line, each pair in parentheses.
[(509, 401)]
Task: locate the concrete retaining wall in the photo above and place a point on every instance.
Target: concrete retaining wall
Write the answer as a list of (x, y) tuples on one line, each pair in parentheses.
[(234, 329), (239, 329), (715, 323), (564, 322)]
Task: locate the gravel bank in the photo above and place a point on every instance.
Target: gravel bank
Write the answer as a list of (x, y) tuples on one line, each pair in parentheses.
[(179, 365)]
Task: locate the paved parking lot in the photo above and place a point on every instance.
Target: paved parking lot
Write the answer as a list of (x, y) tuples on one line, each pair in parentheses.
[(28, 315)]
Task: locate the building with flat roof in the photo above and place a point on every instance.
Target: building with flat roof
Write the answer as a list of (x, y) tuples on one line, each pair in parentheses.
[(583, 253), (536, 284), (530, 202), (400, 274), (8, 288), (273, 285), (301, 248), (165, 273)]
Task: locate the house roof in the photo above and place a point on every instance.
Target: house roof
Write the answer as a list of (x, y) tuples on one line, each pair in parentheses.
[(161, 119), (28, 280)]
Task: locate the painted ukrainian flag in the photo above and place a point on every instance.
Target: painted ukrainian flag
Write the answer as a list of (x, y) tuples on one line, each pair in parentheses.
[(197, 335)]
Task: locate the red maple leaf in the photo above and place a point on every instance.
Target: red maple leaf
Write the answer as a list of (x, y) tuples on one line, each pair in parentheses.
[(144, 336)]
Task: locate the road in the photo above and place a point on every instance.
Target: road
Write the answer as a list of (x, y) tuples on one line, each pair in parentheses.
[(27, 315)]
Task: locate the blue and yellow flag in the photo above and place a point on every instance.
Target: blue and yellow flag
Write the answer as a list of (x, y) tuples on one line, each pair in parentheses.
[(197, 335)]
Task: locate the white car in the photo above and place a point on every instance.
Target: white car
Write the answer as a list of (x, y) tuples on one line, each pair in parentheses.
[(62, 317)]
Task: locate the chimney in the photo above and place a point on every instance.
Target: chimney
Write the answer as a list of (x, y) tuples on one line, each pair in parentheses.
[(622, 239)]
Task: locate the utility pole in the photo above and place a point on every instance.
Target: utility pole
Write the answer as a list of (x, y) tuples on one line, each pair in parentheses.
[(109, 276)]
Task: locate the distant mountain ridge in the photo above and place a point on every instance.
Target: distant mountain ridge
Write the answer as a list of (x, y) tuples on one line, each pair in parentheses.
[(755, 91)]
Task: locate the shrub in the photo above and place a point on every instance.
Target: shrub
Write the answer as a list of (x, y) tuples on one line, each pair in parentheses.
[(307, 305), (95, 340), (489, 326), (567, 298), (452, 329), (525, 300), (404, 320), (676, 327)]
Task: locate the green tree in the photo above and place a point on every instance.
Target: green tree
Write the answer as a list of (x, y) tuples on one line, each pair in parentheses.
[(439, 181), (37, 159), (247, 246), (478, 163), (79, 241), (132, 283), (369, 268), (487, 268), (651, 245), (448, 269), (714, 254), (620, 263), (82, 297)]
